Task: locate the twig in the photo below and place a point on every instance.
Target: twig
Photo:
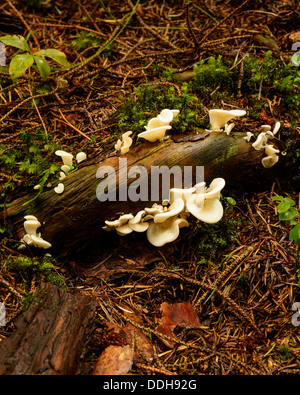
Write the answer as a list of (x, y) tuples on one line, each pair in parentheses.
[(221, 22), (188, 22), (72, 126)]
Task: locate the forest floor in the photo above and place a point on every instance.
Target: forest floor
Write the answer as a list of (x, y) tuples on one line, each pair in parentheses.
[(223, 304)]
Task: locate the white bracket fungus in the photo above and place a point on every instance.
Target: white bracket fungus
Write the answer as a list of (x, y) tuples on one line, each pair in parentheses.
[(165, 232), (269, 161), (124, 144), (31, 237), (67, 158), (262, 143), (157, 127), (80, 157), (219, 118), (248, 136), (59, 188), (162, 223)]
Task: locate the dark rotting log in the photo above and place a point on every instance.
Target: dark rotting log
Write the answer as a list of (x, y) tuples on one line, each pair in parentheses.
[(74, 219)]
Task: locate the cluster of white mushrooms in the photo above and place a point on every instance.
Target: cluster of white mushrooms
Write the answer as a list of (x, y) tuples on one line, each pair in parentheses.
[(124, 144), (67, 159), (218, 119), (262, 143), (155, 130), (31, 237), (162, 222)]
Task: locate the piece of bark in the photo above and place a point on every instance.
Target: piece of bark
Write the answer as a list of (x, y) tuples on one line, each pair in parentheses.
[(73, 221), (50, 336)]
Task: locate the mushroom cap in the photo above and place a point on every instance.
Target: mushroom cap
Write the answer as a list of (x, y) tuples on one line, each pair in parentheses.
[(31, 226), (124, 145), (39, 242), (122, 220), (215, 188), (137, 223), (270, 150), (118, 145), (228, 128), (59, 188), (62, 175), (159, 234), (27, 239), (276, 127), (154, 123), (269, 161), (184, 194), (65, 168), (211, 212), (30, 217), (261, 141), (156, 134), (166, 116), (80, 157), (124, 230), (156, 208), (248, 136), (66, 157), (218, 118), (266, 128), (175, 208)]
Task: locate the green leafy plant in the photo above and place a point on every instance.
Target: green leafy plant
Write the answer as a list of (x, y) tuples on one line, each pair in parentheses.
[(288, 213), (291, 80), (22, 61)]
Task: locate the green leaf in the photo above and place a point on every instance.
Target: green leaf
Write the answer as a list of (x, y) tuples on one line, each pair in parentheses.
[(285, 81), (43, 66), (54, 54), (19, 64), (231, 201), (277, 198), (15, 41), (289, 214), (285, 205), (295, 234)]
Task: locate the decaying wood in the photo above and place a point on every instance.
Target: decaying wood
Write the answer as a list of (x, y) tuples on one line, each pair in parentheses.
[(50, 336), (74, 219)]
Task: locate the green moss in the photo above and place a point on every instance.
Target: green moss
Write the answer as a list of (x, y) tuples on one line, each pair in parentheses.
[(26, 268)]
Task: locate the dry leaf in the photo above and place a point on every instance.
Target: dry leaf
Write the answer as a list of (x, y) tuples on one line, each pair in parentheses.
[(143, 348), (176, 314), (114, 360)]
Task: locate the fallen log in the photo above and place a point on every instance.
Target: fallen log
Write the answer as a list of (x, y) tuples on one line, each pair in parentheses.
[(72, 221), (50, 336)]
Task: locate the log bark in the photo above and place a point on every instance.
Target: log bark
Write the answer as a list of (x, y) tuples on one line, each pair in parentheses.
[(74, 219), (50, 336)]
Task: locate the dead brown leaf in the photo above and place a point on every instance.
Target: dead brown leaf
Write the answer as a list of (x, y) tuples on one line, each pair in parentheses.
[(143, 348), (176, 314), (114, 360)]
